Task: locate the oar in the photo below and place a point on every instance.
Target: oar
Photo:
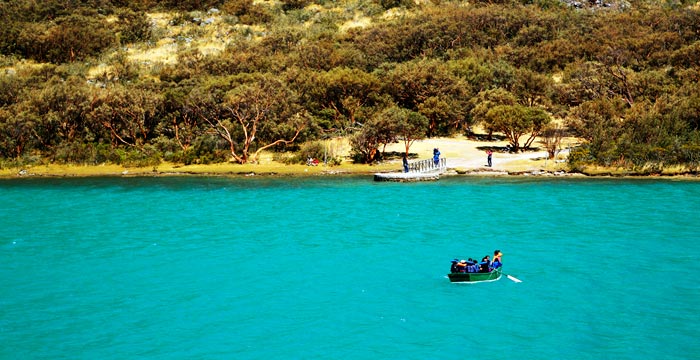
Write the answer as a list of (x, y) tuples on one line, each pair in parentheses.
[(513, 278)]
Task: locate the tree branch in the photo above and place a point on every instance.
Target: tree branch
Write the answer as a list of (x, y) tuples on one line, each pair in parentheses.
[(277, 142)]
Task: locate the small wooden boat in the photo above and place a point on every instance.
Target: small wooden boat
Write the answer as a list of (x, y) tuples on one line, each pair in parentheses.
[(476, 277)]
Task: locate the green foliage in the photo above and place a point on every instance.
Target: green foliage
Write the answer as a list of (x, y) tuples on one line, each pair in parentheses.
[(69, 38), (347, 96), (314, 150), (626, 79), (391, 125), (187, 5), (408, 126), (237, 7), (10, 88), (485, 101), (364, 147), (144, 157), (388, 4), (579, 157), (133, 26), (432, 89), (294, 4), (515, 121)]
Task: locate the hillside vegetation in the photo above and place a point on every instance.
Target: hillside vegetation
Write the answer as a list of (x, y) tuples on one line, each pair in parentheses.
[(142, 81)]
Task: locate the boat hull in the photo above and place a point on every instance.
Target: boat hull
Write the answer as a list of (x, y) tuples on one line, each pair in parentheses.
[(476, 277)]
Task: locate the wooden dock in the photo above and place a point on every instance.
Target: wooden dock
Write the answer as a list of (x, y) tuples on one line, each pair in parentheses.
[(423, 170)]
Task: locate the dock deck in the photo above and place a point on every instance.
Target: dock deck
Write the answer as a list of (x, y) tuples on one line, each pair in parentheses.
[(423, 170)]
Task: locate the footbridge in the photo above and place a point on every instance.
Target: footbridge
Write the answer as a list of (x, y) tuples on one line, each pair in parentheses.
[(422, 170)]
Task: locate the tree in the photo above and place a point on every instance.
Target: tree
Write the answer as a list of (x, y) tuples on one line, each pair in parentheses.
[(16, 130), (133, 26), (443, 114), (551, 138), (347, 94), (67, 39), (391, 125), (384, 128), (532, 88), (487, 100), (365, 143), (128, 115), (63, 104), (538, 119), (515, 121), (261, 103), (410, 125), (599, 122), (431, 88), (181, 121)]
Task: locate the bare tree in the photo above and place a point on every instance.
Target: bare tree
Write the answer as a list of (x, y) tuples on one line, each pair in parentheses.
[(551, 138)]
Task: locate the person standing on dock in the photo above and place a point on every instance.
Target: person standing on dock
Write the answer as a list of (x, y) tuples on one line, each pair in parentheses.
[(436, 156), (405, 163), (489, 154)]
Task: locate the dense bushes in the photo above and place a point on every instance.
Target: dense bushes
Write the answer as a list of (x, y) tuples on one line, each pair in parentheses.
[(625, 80)]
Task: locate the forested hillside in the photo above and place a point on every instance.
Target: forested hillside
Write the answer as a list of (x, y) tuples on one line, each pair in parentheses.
[(142, 81)]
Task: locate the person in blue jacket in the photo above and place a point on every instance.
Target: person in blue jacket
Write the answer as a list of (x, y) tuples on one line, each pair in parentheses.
[(436, 156), (473, 266), (497, 259)]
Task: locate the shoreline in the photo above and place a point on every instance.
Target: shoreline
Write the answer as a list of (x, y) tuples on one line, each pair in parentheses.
[(280, 170), (465, 157)]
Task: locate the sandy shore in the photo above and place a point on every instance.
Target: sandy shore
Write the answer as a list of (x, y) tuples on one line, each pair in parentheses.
[(469, 156), (464, 156)]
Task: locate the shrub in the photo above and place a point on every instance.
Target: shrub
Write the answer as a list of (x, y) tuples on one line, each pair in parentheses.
[(313, 150), (579, 157), (134, 26), (294, 4), (286, 158), (319, 150), (76, 153)]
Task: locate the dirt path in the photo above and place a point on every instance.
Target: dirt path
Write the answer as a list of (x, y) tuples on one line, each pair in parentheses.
[(469, 155)]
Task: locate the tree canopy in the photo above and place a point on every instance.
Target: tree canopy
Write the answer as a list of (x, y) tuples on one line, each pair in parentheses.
[(87, 82)]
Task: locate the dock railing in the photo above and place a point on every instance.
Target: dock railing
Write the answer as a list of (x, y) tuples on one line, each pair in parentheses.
[(427, 166)]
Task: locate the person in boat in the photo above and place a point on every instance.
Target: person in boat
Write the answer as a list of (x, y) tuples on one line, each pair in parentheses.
[(485, 265), (497, 255), (453, 268), (462, 266), (472, 266), (497, 259)]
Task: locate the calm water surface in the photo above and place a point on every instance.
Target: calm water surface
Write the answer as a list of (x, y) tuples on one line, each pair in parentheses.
[(345, 268)]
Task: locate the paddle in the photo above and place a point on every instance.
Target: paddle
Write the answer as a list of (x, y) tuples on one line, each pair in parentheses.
[(513, 278)]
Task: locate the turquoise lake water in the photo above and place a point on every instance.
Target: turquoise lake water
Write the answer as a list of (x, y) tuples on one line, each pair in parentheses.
[(346, 268)]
